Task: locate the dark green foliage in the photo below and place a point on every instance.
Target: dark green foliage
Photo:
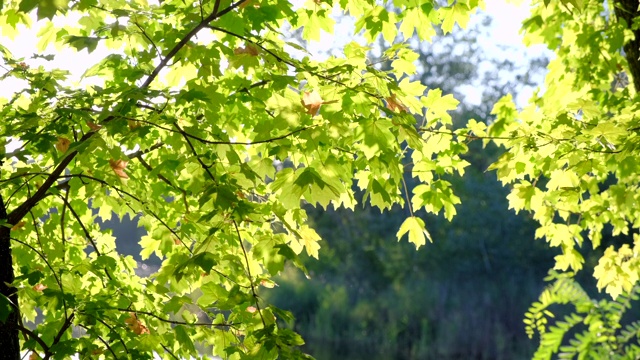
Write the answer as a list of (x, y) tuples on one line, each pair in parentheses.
[(592, 329)]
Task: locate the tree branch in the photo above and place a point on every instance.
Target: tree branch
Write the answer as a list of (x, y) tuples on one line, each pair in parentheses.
[(292, 64), (175, 322), (17, 214), (34, 336), (627, 10), (174, 51), (84, 228), (104, 342), (56, 340)]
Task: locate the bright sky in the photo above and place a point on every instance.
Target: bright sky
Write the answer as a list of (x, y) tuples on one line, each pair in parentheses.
[(507, 18)]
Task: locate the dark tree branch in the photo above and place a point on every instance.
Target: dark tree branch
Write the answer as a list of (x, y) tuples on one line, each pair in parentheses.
[(67, 323), (215, 142), (175, 322), (35, 337), (231, 7), (185, 40), (18, 213), (627, 10)]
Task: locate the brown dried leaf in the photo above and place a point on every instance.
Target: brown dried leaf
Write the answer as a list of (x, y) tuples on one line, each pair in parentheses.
[(133, 124), (63, 144), (253, 3), (135, 324), (18, 226), (93, 126), (311, 101), (394, 104), (118, 167), (249, 49), (268, 284)]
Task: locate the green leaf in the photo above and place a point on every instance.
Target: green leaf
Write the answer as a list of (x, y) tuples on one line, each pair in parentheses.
[(83, 42), (416, 229), (205, 261), (5, 308), (184, 339)]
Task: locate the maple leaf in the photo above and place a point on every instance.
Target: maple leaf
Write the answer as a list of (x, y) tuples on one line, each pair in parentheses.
[(394, 104), (133, 124), (249, 3), (268, 284), (249, 49), (118, 167), (136, 325), (18, 226), (93, 126), (311, 101), (63, 144)]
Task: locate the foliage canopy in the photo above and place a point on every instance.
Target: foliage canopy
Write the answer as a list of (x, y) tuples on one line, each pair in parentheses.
[(212, 126)]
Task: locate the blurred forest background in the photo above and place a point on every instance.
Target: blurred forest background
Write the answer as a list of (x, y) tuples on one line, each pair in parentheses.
[(461, 297)]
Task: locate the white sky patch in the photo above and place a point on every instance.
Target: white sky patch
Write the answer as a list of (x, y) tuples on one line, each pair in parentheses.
[(505, 41), (507, 21), (26, 44)]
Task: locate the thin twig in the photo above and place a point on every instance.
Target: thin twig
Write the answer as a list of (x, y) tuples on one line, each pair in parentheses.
[(216, 142), (35, 227), (193, 150), (169, 321), (104, 342), (169, 351), (145, 151), (84, 229), (253, 288), (41, 255), (63, 215), (406, 194), (149, 39), (292, 64), (110, 328)]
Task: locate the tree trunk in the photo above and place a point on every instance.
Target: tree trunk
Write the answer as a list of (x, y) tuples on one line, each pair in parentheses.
[(9, 342), (628, 10)]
